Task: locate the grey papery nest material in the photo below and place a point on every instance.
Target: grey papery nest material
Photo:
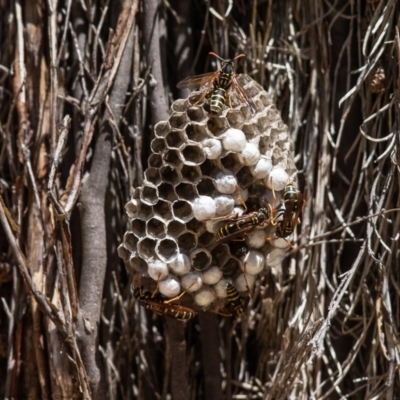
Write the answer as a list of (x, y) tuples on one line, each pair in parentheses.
[(203, 167)]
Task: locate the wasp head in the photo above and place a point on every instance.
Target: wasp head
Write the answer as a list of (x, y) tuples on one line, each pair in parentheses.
[(227, 66)]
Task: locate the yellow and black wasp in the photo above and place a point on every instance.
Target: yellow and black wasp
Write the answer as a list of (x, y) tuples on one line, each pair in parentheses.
[(162, 307), (234, 300), (240, 226), (234, 303), (243, 225), (294, 204), (219, 83)]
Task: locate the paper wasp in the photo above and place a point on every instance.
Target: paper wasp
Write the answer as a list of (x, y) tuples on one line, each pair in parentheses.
[(244, 224), (161, 306), (294, 203), (219, 83), (234, 300), (240, 226), (234, 303)]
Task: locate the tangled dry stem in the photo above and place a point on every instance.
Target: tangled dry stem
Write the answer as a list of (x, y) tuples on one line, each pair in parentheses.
[(323, 326)]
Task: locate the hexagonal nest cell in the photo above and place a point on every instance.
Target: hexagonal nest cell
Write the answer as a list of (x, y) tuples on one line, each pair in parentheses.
[(195, 222)]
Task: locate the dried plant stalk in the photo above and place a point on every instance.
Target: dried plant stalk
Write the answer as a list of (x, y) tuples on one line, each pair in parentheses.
[(82, 85)]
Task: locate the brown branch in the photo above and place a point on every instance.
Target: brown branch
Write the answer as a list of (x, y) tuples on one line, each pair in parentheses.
[(99, 93), (176, 359), (20, 82), (210, 342), (358, 221), (52, 32), (158, 99), (61, 142), (94, 244), (43, 302), (181, 37)]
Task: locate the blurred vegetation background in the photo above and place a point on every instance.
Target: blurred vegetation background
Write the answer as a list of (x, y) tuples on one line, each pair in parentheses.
[(82, 83)]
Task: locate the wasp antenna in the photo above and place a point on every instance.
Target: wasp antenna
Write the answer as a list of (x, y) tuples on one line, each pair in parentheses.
[(239, 56), (211, 53)]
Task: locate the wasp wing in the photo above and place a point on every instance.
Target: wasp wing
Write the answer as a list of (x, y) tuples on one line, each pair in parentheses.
[(242, 93), (175, 311), (194, 82), (300, 205)]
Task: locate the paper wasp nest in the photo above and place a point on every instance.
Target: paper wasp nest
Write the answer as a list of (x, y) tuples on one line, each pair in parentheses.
[(198, 162)]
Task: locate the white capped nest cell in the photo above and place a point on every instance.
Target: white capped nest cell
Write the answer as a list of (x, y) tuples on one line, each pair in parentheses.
[(234, 140), (170, 287), (204, 208)]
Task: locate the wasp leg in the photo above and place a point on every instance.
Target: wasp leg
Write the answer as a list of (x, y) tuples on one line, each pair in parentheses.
[(176, 298), (206, 93), (290, 244), (223, 312), (156, 289), (274, 238), (234, 215), (241, 199), (272, 208), (245, 280), (273, 220), (134, 280), (141, 291)]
